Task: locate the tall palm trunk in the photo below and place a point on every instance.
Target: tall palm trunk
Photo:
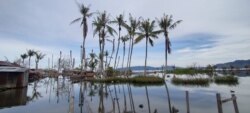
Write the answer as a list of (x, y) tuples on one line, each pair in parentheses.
[(146, 56), (102, 52), (118, 46), (37, 64), (29, 62), (23, 61), (131, 52), (166, 53), (84, 54), (123, 55), (128, 56)]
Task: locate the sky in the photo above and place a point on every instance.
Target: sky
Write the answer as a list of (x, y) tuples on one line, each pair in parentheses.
[(212, 31)]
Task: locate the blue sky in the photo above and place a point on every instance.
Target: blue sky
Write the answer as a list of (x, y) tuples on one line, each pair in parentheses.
[(212, 31)]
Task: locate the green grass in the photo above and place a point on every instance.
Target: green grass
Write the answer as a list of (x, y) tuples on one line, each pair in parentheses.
[(190, 71), (229, 80), (138, 80), (191, 81)]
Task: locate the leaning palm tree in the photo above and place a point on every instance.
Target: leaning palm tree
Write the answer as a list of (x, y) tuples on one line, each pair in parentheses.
[(24, 56), (120, 22), (131, 29), (124, 39), (84, 10), (39, 56), (167, 23), (102, 27), (30, 53), (147, 31)]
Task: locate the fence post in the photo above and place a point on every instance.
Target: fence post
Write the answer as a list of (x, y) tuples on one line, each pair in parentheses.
[(187, 100), (235, 103), (219, 104)]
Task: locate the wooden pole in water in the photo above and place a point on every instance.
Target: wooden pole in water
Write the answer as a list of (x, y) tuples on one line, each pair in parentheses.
[(235, 103), (187, 100), (219, 103)]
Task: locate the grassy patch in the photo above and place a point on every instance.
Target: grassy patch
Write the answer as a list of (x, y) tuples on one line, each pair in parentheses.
[(229, 80), (191, 81), (191, 71), (134, 80)]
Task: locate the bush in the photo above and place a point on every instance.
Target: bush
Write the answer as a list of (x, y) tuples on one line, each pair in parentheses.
[(229, 80), (191, 81)]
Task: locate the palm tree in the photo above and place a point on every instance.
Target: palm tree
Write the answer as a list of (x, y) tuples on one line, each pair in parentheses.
[(124, 39), (167, 23), (30, 53), (131, 29), (84, 10), (24, 56), (93, 61), (102, 27), (147, 32), (39, 56), (120, 22)]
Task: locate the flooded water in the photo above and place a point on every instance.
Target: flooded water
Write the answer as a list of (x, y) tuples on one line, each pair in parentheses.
[(52, 95)]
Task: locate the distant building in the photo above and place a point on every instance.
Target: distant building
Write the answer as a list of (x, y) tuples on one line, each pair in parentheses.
[(13, 75)]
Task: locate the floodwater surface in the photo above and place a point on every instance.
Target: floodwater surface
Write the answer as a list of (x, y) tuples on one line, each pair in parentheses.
[(50, 95)]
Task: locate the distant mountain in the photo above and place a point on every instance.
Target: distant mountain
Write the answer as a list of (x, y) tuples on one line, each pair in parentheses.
[(236, 64), (138, 68)]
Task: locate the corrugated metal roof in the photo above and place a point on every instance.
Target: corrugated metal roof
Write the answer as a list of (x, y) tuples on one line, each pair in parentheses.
[(12, 69)]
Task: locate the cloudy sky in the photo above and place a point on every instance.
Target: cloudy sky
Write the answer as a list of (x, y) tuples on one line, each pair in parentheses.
[(212, 31)]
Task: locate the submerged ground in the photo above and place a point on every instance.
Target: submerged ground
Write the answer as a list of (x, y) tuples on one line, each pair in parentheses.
[(54, 96)]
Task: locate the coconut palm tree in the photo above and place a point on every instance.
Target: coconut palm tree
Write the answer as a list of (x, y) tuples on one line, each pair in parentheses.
[(120, 22), (93, 61), (30, 53), (147, 31), (39, 56), (131, 29), (103, 28), (85, 12), (167, 23), (24, 56)]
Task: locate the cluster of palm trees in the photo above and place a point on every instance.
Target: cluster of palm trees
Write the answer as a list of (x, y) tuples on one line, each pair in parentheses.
[(137, 30), (29, 54)]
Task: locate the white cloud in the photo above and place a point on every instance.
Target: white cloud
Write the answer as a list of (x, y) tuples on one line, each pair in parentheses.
[(44, 25)]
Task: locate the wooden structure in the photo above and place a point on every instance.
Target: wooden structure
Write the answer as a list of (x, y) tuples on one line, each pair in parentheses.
[(12, 76), (220, 102)]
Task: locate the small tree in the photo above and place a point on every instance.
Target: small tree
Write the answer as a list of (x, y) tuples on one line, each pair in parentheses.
[(30, 53), (24, 56), (39, 56)]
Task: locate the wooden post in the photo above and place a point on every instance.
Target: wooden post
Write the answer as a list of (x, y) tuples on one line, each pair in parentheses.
[(187, 100), (219, 103), (235, 103)]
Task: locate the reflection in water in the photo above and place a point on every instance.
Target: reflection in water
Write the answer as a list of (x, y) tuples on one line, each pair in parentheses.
[(13, 97), (50, 94)]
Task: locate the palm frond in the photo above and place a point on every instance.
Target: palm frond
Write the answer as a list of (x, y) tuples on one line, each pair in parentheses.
[(111, 31), (76, 20), (151, 42), (175, 24), (139, 38)]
